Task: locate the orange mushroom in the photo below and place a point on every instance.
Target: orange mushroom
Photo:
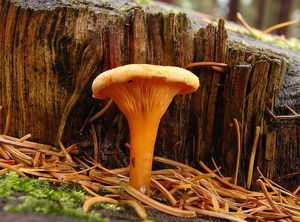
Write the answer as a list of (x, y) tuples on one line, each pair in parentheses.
[(143, 93)]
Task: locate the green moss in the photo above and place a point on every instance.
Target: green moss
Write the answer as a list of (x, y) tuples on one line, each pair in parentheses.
[(40, 196)]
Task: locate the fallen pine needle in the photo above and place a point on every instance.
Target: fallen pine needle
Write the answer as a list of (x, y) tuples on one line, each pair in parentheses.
[(12, 168), (4, 154), (22, 139), (165, 192), (90, 191), (296, 190), (159, 206), (176, 164), (102, 111), (90, 201), (216, 167), (268, 197), (215, 214), (185, 190), (214, 64), (68, 156), (280, 25), (221, 180), (138, 208)]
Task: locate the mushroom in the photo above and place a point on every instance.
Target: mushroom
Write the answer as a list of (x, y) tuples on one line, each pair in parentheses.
[(143, 93)]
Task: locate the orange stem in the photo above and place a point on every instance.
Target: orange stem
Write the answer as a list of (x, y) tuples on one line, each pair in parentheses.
[(143, 133)]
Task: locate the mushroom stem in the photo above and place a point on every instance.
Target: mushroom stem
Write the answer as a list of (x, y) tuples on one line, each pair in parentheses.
[(143, 133)]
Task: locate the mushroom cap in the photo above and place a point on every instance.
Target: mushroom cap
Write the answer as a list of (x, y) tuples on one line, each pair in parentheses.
[(126, 73)]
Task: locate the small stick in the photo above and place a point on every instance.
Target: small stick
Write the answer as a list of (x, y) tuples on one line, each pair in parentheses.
[(102, 111), (252, 156), (8, 118), (238, 142)]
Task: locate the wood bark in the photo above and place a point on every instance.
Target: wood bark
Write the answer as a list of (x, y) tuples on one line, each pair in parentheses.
[(51, 52)]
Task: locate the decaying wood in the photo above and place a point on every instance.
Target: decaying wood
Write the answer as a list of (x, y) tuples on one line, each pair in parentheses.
[(50, 53)]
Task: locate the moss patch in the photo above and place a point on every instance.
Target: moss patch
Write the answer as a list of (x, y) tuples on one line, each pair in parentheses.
[(32, 195)]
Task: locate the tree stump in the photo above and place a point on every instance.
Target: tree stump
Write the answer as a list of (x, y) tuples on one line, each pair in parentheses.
[(50, 51)]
